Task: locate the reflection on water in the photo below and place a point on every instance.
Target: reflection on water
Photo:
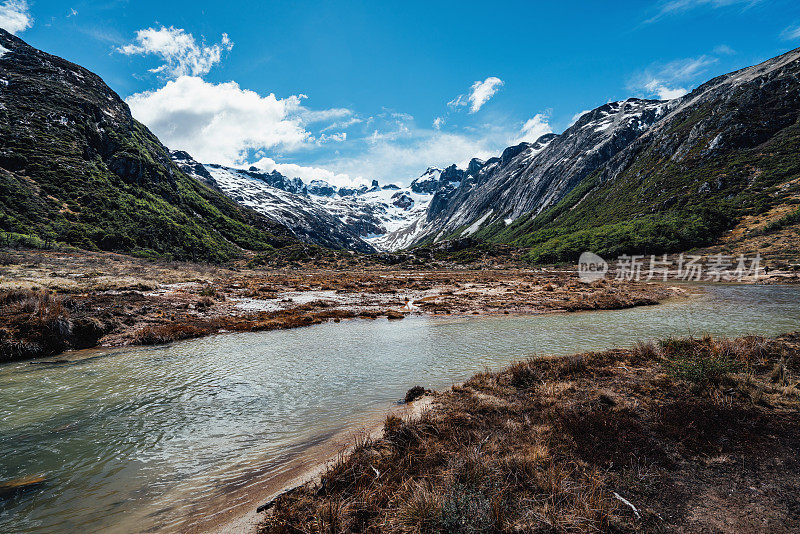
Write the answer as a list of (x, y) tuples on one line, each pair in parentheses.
[(118, 432)]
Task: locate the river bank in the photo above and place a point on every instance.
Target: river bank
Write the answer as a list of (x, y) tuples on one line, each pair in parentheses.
[(685, 434), (171, 436), (53, 302)]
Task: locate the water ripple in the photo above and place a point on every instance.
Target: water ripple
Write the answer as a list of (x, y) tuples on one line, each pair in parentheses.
[(152, 431)]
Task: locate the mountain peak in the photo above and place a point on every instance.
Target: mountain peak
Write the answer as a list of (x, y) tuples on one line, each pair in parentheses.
[(75, 165)]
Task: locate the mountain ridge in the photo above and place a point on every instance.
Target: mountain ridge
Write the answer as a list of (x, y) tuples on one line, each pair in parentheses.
[(358, 218), (722, 152), (77, 168), (634, 175)]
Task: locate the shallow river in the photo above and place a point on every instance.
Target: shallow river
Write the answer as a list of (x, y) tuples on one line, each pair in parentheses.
[(137, 438)]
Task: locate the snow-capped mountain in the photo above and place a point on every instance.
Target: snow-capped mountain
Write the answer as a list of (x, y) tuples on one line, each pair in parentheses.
[(441, 203), (526, 177), (644, 157), (530, 177), (377, 211), (264, 193), (354, 218)]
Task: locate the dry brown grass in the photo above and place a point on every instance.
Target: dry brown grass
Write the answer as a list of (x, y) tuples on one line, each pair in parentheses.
[(35, 323), (39, 323), (129, 300), (544, 445), (167, 333)]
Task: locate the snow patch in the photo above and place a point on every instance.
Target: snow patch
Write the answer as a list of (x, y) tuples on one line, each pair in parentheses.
[(477, 224)]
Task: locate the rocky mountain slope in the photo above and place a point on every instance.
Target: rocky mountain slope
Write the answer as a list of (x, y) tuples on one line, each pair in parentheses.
[(531, 176), (717, 156), (281, 200), (355, 218), (75, 167), (639, 175)]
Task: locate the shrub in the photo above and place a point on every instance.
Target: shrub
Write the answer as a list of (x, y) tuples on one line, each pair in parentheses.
[(789, 219), (36, 324), (204, 303), (645, 350), (208, 291), (423, 511), (700, 369), (466, 510)]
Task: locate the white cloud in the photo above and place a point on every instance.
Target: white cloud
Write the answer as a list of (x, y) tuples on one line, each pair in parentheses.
[(480, 93), (336, 137), (400, 158), (668, 81), (219, 123), (390, 126), (534, 128), (791, 33), (724, 50), (684, 69), (325, 115), (15, 16), (394, 149), (224, 123), (656, 88), (674, 7), (181, 53), (342, 125), (438, 122)]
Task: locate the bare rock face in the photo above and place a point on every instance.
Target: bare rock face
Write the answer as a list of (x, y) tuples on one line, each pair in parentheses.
[(532, 176), (648, 146)]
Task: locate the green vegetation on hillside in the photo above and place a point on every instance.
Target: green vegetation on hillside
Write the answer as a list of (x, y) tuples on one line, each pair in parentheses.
[(77, 169), (659, 205), (64, 198)]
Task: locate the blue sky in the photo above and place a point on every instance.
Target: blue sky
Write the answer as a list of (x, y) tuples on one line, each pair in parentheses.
[(350, 91)]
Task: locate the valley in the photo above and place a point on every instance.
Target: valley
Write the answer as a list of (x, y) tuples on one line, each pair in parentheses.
[(198, 333), (197, 434)]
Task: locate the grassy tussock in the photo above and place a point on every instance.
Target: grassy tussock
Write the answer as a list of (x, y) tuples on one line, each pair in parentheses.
[(36, 323), (160, 334), (544, 445)]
